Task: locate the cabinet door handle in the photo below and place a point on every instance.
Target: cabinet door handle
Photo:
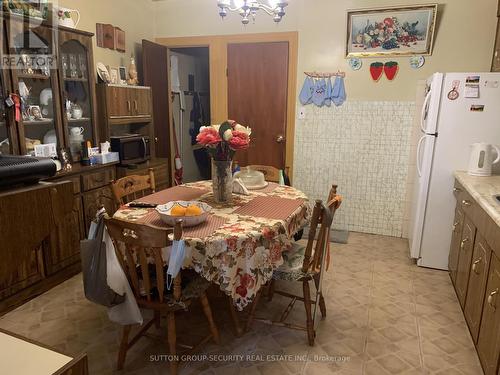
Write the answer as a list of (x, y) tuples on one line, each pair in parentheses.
[(466, 203), (128, 106), (455, 224), (462, 244), (474, 265), (492, 299), (457, 190), (136, 107)]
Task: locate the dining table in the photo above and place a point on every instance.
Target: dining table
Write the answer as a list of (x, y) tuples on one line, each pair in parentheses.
[(241, 243)]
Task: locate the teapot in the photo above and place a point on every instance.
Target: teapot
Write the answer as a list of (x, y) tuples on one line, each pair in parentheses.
[(64, 17), (481, 159)]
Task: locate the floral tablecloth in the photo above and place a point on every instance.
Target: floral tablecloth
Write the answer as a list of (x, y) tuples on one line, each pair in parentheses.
[(235, 249)]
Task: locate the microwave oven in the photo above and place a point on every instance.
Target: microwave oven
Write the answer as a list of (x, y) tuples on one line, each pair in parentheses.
[(132, 148)]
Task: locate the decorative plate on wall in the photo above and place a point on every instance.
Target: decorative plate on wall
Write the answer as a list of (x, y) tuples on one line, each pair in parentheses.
[(417, 62), (355, 63)]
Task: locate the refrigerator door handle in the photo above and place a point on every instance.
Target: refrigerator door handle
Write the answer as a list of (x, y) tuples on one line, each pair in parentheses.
[(423, 114), (419, 146)]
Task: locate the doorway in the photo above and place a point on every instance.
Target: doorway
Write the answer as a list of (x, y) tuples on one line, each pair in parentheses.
[(190, 85), (218, 46)]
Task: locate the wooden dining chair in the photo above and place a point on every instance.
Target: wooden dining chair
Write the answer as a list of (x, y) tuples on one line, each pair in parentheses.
[(271, 174), (303, 264), (133, 187), (139, 250)]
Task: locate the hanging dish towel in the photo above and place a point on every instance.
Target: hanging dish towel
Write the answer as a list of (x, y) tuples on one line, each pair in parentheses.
[(329, 92), (338, 95), (319, 94), (306, 93)]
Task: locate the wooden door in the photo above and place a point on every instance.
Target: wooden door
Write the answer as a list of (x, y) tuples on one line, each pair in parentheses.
[(458, 225), (464, 260), (257, 97), (495, 65), (477, 285), (155, 70), (488, 345)]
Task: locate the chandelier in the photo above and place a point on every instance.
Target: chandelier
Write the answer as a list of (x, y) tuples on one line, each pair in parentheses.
[(249, 8)]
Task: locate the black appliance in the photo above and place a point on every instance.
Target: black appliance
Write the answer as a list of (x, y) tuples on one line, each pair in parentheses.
[(24, 169), (133, 148)]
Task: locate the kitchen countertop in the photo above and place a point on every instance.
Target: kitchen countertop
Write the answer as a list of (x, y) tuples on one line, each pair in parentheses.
[(483, 190)]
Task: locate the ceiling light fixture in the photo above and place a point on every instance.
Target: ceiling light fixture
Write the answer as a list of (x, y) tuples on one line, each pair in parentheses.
[(249, 8)]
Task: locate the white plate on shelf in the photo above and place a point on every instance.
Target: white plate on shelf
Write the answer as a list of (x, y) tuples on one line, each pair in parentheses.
[(103, 72)]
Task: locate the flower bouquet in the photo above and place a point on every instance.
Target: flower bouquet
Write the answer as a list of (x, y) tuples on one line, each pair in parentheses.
[(222, 141)]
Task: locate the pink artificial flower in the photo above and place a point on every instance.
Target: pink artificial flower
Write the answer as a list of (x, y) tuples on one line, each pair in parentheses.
[(208, 137), (239, 141)]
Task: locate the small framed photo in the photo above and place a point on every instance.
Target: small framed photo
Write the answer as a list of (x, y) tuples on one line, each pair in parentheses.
[(114, 75), (123, 75)]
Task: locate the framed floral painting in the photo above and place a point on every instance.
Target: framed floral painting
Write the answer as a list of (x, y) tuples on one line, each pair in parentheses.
[(400, 31)]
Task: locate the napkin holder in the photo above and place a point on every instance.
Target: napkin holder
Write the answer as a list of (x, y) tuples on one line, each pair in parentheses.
[(239, 187)]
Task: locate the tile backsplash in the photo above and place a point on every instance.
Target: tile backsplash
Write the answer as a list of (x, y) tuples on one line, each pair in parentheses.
[(364, 147)]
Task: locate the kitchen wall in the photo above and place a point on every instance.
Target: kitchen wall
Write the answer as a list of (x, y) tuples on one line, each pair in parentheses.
[(365, 146), (136, 18)]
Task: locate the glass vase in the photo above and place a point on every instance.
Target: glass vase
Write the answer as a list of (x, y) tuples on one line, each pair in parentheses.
[(222, 180)]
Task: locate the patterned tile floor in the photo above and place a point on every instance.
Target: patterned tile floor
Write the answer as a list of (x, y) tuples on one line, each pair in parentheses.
[(384, 314)]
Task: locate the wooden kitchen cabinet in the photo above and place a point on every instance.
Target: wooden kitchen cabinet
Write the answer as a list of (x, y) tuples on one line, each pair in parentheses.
[(488, 345), (67, 238), (464, 260), (477, 284), (126, 102), (456, 237), (161, 170)]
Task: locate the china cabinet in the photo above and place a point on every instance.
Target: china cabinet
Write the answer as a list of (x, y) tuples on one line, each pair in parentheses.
[(77, 82), (35, 82)]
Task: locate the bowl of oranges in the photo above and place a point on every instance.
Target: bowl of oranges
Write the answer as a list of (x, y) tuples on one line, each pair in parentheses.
[(191, 212)]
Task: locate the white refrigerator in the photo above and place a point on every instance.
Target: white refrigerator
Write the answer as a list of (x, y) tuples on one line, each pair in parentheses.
[(449, 124)]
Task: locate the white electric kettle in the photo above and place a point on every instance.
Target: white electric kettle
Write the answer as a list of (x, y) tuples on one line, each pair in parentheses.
[(481, 159)]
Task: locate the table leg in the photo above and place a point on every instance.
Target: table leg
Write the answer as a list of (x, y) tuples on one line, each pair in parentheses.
[(234, 316)]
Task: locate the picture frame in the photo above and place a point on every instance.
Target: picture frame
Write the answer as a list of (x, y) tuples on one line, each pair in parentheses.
[(391, 31), (37, 9), (105, 35), (114, 75), (123, 75), (119, 39)]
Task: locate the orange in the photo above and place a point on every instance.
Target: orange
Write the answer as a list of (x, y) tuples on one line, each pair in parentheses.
[(193, 210), (178, 210)]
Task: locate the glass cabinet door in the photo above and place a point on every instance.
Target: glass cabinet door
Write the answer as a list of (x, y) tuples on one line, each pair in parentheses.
[(78, 90), (8, 133), (35, 82)]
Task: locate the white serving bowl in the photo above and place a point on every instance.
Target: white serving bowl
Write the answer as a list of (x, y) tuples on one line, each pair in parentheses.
[(187, 221)]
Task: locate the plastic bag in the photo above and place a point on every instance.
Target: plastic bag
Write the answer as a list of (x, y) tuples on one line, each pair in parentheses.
[(94, 267), (128, 312)]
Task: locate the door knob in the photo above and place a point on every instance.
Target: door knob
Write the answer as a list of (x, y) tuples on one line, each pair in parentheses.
[(280, 138)]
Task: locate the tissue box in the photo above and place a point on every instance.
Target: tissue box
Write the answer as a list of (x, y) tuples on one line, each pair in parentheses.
[(106, 158)]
